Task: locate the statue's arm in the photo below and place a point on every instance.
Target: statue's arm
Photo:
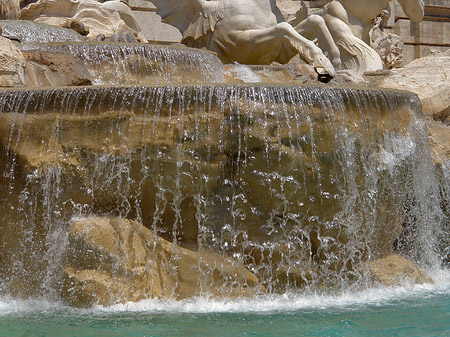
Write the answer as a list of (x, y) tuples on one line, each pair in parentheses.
[(414, 9)]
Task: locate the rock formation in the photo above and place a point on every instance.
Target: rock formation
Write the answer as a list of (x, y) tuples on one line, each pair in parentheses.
[(95, 17), (114, 260), (394, 270), (428, 77), (12, 64)]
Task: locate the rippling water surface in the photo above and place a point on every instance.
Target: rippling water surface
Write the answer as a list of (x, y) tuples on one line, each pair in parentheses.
[(421, 310)]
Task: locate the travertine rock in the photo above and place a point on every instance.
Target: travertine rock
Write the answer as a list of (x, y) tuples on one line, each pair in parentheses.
[(114, 260), (45, 69), (428, 77), (439, 138), (12, 64), (97, 18), (394, 269)]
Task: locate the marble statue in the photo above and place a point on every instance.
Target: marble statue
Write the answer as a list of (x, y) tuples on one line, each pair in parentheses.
[(349, 23), (243, 31)]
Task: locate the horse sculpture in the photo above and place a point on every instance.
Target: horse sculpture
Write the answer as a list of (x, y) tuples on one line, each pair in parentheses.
[(243, 31)]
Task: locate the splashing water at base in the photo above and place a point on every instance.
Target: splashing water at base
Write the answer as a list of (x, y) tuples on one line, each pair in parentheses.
[(409, 310)]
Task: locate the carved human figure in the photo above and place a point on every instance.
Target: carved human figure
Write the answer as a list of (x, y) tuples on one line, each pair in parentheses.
[(350, 22), (245, 31)]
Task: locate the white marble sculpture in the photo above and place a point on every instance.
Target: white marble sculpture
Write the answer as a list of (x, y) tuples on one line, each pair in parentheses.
[(243, 31), (349, 23)]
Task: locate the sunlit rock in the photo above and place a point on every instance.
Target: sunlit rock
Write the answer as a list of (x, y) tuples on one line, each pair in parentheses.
[(395, 270), (45, 69), (96, 17), (428, 77), (114, 260), (12, 64), (267, 174)]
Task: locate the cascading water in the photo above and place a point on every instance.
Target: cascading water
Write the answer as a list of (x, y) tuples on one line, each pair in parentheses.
[(30, 31), (138, 64), (301, 185)]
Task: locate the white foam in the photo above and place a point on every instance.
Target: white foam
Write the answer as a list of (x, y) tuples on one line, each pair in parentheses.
[(383, 296), (294, 302)]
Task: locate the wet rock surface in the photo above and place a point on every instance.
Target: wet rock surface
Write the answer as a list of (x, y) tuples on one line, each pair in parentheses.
[(47, 69), (114, 260), (96, 17), (393, 270), (214, 167)]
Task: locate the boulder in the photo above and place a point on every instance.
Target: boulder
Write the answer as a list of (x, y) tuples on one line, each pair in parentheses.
[(428, 77), (439, 139), (114, 260), (12, 64), (44, 69), (394, 269), (220, 167)]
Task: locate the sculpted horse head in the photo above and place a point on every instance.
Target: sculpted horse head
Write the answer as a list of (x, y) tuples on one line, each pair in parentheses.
[(244, 31)]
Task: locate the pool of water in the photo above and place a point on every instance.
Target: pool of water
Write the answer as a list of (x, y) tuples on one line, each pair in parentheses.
[(421, 310)]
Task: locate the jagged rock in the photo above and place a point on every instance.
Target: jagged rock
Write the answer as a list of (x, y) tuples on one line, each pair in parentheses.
[(99, 146), (54, 69), (97, 18), (114, 260), (394, 269), (428, 77), (12, 64), (28, 31)]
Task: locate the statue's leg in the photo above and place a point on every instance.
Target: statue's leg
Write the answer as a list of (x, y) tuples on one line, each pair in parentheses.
[(356, 55), (314, 26), (274, 39)]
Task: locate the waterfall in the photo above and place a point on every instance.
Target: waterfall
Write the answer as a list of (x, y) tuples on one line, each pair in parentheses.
[(138, 64), (301, 185)]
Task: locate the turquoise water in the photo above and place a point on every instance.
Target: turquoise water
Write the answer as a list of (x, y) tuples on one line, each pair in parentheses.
[(404, 311)]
